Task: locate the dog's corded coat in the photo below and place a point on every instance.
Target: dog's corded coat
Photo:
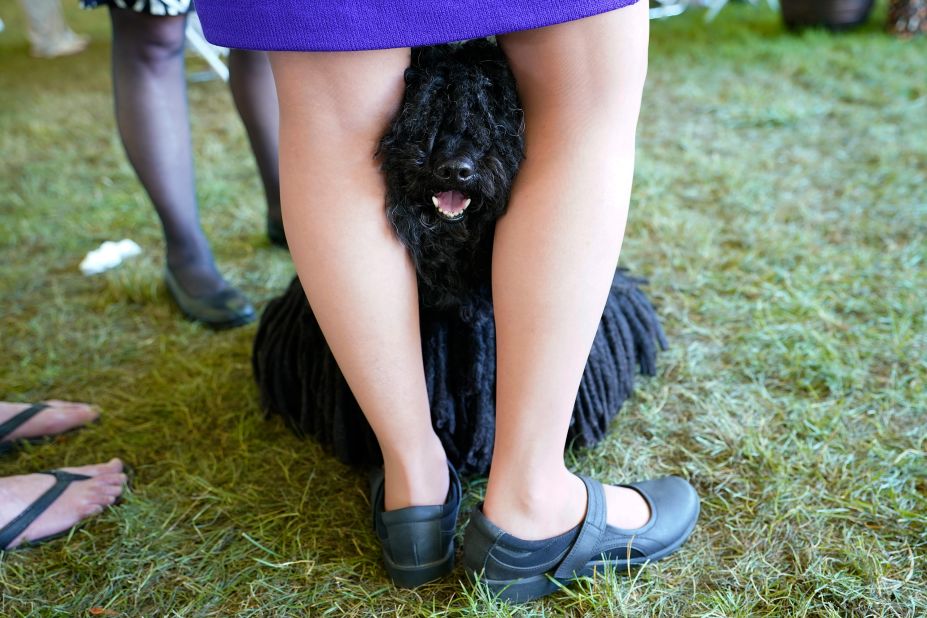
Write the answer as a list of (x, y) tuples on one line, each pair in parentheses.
[(460, 105)]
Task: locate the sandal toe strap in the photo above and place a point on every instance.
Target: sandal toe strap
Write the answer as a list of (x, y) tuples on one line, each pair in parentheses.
[(12, 530), (588, 541), (13, 423)]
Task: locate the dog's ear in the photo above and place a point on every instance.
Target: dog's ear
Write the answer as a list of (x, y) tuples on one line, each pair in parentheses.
[(429, 55), (480, 52), (411, 75), (481, 49)]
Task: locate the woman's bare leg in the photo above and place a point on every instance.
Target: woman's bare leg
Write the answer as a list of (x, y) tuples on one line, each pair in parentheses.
[(555, 252), (358, 277)]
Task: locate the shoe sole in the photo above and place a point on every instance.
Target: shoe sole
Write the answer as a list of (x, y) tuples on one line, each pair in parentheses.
[(239, 321), (526, 589), (221, 325)]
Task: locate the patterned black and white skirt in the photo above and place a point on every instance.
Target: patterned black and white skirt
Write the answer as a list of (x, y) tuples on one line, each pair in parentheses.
[(161, 8)]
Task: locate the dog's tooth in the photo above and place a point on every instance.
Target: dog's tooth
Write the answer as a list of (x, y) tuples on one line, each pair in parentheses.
[(467, 202), (434, 198)]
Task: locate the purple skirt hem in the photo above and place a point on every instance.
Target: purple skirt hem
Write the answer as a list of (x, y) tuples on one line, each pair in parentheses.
[(333, 25)]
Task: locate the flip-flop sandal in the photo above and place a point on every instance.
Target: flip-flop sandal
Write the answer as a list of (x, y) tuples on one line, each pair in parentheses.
[(12, 530), (517, 570), (13, 423)]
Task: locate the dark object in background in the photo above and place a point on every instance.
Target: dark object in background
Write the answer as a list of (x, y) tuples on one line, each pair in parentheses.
[(449, 159), (907, 17), (832, 14)]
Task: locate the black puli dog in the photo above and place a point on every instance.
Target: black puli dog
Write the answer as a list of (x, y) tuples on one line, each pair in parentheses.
[(449, 159)]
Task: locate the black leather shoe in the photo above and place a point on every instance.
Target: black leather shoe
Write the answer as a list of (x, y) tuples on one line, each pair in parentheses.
[(275, 233), (518, 570), (418, 541), (227, 308)]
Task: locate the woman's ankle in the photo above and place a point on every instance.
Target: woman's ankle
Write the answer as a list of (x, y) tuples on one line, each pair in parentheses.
[(544, 506), (416, 476), (534, 507)]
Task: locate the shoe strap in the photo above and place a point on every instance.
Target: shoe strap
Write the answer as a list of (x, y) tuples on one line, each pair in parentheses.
[(10, 425), (12, 530), (587, 542)]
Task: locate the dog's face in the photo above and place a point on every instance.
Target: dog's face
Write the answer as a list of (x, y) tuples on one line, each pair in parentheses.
[(454, 148), (449, 158)]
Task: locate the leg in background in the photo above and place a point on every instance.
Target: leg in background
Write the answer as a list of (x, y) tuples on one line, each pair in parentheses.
[(48, 32), (252, 84), (357, 276), (555, 252), (152, 115)]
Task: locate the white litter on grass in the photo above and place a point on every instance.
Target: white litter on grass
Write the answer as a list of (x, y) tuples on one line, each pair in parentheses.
[(109, 255)]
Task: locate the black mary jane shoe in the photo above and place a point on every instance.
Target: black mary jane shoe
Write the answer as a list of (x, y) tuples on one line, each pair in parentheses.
[(224, 309), (518, 570), (417, 541)]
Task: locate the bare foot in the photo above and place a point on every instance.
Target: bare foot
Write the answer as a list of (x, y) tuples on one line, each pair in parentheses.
[(558, 505), (82, 499), (58, 417)]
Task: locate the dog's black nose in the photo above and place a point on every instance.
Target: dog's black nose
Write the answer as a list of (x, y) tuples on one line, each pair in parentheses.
[(458, 168)]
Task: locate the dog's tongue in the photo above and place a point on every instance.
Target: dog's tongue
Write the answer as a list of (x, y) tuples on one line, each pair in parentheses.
[(451, 202)]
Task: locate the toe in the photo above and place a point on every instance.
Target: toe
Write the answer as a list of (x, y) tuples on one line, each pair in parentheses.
[(104, 500), (111, 490), (114, 479), (113, 466), (90, 508)]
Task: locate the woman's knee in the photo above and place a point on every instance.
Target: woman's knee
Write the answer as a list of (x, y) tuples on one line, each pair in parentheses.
[(150, 39), (340, 93)]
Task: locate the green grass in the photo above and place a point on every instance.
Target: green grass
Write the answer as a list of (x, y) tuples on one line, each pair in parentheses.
[(780, 210)]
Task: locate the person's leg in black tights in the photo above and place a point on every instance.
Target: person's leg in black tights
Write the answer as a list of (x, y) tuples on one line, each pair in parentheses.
[(255, 95), (149, 84)]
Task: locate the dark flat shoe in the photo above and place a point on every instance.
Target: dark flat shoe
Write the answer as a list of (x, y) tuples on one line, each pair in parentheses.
[(275, 233), (518, 571), (417, 541), (225, 309)]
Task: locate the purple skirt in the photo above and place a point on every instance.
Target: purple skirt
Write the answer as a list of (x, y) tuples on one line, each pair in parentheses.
[(352, 25)]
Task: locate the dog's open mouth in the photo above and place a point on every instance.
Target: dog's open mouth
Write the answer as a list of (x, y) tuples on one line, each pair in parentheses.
[(451, 204)]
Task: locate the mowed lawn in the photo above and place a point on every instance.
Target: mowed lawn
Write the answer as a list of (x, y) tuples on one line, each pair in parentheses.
[(779, 211)]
